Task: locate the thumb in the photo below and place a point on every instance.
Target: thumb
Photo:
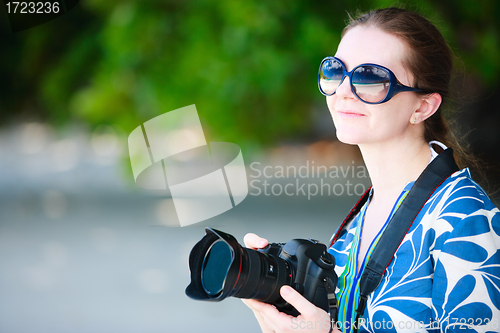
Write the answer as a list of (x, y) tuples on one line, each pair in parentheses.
[(299, 302), (254, 242)]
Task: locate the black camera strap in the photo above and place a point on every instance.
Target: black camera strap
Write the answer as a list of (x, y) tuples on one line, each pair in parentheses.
[(431, 178), (332, 302)]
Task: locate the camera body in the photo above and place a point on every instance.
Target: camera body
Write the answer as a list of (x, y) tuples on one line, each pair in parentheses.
[(311, 266), (220, 268)]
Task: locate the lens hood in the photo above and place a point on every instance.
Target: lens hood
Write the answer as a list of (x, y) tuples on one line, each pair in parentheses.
[(195, 289)]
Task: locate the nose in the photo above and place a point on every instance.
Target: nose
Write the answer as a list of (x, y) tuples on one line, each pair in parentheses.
[(344, 89)]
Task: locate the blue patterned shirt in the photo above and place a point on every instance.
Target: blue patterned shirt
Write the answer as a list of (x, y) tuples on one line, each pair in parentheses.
[(445, 275)]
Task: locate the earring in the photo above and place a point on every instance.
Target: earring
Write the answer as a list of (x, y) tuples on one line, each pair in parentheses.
[(414, 121)]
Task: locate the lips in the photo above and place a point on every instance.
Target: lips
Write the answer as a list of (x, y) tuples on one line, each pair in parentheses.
[(349, 113)]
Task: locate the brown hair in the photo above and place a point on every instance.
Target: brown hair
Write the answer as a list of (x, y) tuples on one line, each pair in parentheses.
[(429, 59)]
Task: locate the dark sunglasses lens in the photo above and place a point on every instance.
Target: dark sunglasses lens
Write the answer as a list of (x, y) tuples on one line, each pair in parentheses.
[(330, 76), (371, 83)]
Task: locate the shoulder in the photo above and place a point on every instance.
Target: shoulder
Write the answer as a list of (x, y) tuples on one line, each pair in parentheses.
[(459, 197), (466, 250), (461, 208)]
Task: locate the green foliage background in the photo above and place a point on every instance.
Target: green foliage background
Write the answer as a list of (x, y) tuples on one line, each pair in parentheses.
[(249, 66)]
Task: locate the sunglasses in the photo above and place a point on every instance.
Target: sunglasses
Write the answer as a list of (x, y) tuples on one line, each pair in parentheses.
[(372, 84)]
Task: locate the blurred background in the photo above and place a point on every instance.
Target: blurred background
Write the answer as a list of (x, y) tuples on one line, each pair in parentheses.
[(82, 248)]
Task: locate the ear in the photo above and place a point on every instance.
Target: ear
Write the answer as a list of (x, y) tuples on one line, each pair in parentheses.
[(428, 106)]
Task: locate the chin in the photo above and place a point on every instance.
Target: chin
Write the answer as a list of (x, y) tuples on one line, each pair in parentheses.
[(349, 142), (350, 138)]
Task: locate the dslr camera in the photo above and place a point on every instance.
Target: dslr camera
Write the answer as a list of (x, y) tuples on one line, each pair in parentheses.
[(220, 267)]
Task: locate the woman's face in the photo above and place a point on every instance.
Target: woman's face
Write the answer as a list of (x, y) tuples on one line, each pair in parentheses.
[(357, 122)]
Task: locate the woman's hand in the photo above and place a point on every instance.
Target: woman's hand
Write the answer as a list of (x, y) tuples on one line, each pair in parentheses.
[(311, 318)]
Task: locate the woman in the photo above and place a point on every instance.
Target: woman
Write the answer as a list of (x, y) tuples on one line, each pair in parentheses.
[(445, 276)]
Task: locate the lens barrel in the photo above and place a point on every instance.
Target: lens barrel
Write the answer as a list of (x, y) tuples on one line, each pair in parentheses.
[(220, 268), (262, 276)]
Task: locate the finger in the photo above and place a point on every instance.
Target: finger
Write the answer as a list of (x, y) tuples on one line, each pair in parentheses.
[(252, 304), (255, 242), (259, 306), (306, 308), (277, 321)]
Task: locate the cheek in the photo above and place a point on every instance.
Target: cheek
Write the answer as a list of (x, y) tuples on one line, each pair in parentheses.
[(330, 102), (393, 120)]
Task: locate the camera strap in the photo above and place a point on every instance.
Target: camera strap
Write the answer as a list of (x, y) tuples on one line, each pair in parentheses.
[(332, 302), (431, 178)]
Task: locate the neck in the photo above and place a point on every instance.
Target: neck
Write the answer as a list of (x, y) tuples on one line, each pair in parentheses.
[(392, 165)]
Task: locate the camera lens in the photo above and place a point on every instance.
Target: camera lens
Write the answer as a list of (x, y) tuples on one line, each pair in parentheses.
[(215, 266), (262, 276), (220, 268)]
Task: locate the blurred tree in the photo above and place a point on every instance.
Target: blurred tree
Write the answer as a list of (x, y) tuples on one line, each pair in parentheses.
[(249, 66)]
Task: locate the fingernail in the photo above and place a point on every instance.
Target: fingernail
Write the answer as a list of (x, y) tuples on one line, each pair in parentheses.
[(262, 243), (285, 290)]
